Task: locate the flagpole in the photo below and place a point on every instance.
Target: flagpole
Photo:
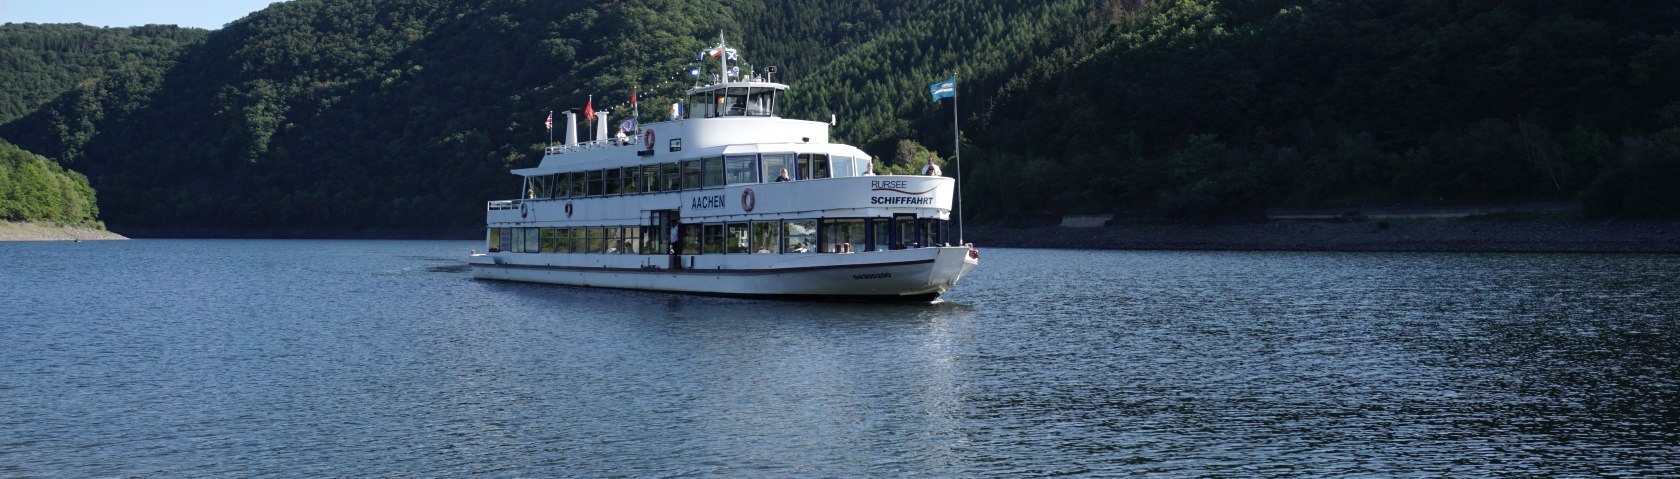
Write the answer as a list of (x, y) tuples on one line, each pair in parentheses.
[(550, 124), (956, 135)]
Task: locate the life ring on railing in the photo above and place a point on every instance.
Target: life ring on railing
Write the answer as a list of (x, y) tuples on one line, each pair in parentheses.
[(568, 209), (647, 138), (524, 210), (749, 200)]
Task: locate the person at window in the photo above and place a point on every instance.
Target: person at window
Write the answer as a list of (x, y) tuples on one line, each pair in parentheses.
[(868, 169), (931, 169), (783, 176)]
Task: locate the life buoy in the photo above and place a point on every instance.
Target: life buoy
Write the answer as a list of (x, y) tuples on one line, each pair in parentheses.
[(749, 200), (568, 209), (524, 210), (647, 138)]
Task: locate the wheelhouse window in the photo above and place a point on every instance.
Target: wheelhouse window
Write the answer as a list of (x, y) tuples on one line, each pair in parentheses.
[(563, 185), (774, 163), (817, 162), (799, 236), (740, 169), (713, 171), (766, 237), (842, 166)]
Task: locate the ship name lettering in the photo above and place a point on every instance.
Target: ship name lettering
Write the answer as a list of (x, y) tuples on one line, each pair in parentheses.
[(900, 200), (872, 276), (706, 202), (878, 184)]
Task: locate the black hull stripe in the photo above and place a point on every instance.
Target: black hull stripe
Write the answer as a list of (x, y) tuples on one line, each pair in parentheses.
[(743, 272)]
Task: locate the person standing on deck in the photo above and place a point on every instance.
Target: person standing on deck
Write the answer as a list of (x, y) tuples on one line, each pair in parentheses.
[(931, 169)]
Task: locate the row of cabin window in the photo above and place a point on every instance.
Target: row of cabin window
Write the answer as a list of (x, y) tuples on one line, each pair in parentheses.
[(828, 235), (693, 174)]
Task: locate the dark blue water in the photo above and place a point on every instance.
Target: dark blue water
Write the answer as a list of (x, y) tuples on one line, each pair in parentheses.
[(383, 358)]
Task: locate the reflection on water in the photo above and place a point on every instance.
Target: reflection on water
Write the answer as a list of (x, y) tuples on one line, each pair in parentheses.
[(371, 358)]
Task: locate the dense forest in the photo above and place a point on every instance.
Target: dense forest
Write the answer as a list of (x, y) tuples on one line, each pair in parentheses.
[(33, 188), (40, 62), (408, 113)]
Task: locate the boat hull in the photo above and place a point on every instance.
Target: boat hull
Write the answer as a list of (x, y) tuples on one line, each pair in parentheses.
[(914, 274)]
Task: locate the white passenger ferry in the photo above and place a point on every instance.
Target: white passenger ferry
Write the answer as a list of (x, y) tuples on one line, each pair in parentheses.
[(698, 204)]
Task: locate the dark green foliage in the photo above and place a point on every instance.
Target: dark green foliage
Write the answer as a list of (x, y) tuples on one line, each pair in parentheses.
[(33, 188), (40, 62), (408, 113), (1319, 103)]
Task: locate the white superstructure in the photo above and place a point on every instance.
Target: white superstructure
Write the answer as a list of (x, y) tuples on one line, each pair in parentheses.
[(696, 205)]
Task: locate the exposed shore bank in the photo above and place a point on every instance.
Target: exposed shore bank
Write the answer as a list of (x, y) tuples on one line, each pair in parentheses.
[(1535, 235), (30, 231)]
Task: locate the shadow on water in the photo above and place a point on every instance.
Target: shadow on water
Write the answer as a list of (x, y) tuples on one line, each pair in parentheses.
[(724, 308)]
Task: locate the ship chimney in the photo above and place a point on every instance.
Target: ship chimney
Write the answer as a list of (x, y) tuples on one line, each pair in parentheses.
[(571, 129), (601, 127)]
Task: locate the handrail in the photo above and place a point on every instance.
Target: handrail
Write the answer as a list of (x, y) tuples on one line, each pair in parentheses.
[(583, 146)]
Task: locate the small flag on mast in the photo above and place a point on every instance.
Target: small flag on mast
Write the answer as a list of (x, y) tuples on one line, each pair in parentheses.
[(589, 109), (550, 122), (946, 88)]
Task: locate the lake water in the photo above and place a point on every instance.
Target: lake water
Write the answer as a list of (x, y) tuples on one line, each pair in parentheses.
[(176, 358)]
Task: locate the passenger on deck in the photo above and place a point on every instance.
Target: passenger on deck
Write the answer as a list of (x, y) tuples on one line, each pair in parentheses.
[(868, 168), (931, 169), (783, 176)]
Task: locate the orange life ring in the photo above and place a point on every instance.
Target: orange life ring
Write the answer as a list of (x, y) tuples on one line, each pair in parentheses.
[(749, 200), (647, 138)]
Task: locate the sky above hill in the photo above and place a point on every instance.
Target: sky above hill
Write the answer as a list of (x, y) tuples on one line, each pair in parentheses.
[(209, 14)]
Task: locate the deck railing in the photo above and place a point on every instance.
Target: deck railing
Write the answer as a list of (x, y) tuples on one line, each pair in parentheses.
[(587, 145)]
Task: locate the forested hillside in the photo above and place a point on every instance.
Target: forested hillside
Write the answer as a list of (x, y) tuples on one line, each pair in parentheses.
[(33, 188), (1217, 108), (408, 113), (40, 62)]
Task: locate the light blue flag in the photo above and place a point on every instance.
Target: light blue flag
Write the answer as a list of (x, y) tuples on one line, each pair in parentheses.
[(944, 89)]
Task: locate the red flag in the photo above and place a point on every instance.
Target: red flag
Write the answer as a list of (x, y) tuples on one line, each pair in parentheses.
[(589, 109), (632, 97), (550, 122)]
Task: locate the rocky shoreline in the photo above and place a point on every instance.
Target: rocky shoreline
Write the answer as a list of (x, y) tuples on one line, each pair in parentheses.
[(30, 231), (1531, 235)]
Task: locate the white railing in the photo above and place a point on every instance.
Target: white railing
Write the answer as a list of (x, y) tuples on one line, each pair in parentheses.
[(584, 146), (502, 205)]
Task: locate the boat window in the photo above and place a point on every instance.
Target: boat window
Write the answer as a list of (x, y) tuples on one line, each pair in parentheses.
[(842, 166), (632, 179), (579, 240), (518, 245), (594, 240), (494, 242), (736, 239), (562, 240), (576, 181), (670, 174), (592, 183), (802, 168), (714, 171), (766, 237), (632, 241), (711, 239), (932, 231), (761, 102), (690, 237), (740, 169), (615, 181), (774, 163), (650, 179), (799, 236), (536, 186), (611, 239), (818, 163), (735, 102), (532, 241), (842, 235), (562, 185), (691, 174), (906, 231), (879, 237), (547, 242)]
